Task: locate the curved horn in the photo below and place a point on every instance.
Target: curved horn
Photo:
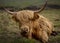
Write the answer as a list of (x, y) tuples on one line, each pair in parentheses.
[(41, 8), (9, 11)]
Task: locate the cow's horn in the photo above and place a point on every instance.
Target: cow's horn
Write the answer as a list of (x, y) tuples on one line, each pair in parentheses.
[(10, 11), (38, 11)]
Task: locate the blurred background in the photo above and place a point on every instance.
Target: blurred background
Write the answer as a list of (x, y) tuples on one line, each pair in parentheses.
[(9, 29)]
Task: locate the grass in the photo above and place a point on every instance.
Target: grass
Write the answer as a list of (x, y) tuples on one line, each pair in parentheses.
[(18, 3), (9, 30), (25, 3)]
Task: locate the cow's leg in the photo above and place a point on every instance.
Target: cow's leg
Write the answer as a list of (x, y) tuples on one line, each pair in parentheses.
[(43, 37), (30, 34)]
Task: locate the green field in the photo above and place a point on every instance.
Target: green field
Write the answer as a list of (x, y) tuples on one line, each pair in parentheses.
[(25, 3), (9, 29)]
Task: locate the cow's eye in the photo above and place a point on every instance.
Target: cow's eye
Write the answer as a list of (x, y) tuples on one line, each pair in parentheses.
[(15, 19)]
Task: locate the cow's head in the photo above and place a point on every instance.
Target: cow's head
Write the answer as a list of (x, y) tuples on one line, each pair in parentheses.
[(36, 16), (24, 30)]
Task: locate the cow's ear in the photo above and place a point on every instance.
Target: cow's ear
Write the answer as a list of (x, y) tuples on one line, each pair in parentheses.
[(36, 16)]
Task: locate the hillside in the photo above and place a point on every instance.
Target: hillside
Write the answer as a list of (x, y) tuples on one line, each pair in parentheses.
[(25, 3)]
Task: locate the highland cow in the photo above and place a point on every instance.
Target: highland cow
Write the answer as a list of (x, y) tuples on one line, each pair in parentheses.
[(32, 24)]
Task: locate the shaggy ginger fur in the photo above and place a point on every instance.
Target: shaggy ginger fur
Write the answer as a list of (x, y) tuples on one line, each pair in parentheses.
[(40, 28)]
